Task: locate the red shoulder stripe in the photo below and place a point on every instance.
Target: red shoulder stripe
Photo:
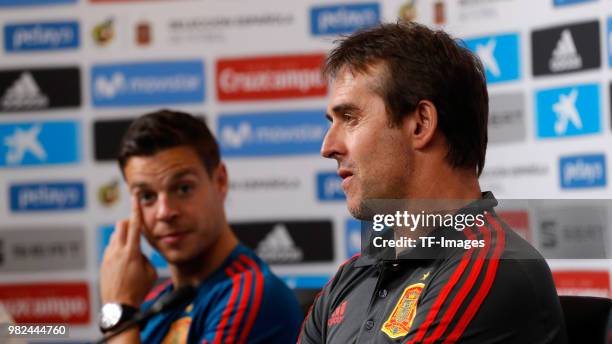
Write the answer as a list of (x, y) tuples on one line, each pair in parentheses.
[(467, 286), (435, 308), (254, 309), (244, 301), (486, 285), (231, 303), (155, 292)]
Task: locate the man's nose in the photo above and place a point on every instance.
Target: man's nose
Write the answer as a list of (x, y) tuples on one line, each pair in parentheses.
[(333, 143), (166, 209)]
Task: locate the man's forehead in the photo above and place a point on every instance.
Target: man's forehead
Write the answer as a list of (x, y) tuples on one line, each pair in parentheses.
[(370, 70), (154, 180), (371, 75), (351, 86), (345, 74), (164, 165)]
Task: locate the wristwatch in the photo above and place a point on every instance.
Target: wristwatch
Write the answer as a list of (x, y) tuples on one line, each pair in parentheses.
[(114, 314)]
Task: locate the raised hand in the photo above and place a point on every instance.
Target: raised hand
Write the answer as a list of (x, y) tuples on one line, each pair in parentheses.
[(126, 275)]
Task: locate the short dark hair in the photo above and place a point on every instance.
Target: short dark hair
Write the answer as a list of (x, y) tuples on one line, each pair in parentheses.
[(164, 129), (423, 64)]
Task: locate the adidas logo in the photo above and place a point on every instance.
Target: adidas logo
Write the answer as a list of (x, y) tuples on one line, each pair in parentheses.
[(337, 316), (24, 94), (278, 246), (565, 56)]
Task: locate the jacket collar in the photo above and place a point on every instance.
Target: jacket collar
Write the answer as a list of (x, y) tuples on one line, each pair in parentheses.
[(371, 255)]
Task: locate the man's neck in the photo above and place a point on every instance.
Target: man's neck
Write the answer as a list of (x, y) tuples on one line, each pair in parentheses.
[(440, 181), (443, 189), (203, 266)]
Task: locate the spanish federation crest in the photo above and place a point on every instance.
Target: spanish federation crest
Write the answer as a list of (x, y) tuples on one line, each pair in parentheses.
[(401, 318)]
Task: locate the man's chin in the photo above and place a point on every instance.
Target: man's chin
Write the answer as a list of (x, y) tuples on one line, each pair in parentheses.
[(175, 256), (179, 260), (184, 257), (360, 211)]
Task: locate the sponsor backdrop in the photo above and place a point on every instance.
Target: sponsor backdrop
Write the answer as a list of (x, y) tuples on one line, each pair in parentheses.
[(75, 73)]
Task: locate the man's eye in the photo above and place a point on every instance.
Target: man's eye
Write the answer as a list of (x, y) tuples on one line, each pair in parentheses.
[(184, 189), (146, 197), (348, 117)]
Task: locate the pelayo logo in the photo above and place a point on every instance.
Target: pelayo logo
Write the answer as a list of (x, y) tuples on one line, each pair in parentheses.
[(42, 36), (582, 171), (343, 19), (47, 196)]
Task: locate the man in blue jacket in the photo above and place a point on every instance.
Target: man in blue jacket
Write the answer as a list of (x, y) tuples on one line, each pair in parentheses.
[(171, 164)]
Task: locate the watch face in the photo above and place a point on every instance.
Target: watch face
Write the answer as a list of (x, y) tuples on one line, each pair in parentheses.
[(110, 315)]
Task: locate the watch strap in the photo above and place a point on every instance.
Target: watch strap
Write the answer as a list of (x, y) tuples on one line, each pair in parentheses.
[(127, 313)]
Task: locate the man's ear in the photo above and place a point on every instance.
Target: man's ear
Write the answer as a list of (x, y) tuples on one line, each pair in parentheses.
[(220, 178), (423, 124)]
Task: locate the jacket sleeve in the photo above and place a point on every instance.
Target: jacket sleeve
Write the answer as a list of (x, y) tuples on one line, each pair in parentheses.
[(313, 330), (314, 327)]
